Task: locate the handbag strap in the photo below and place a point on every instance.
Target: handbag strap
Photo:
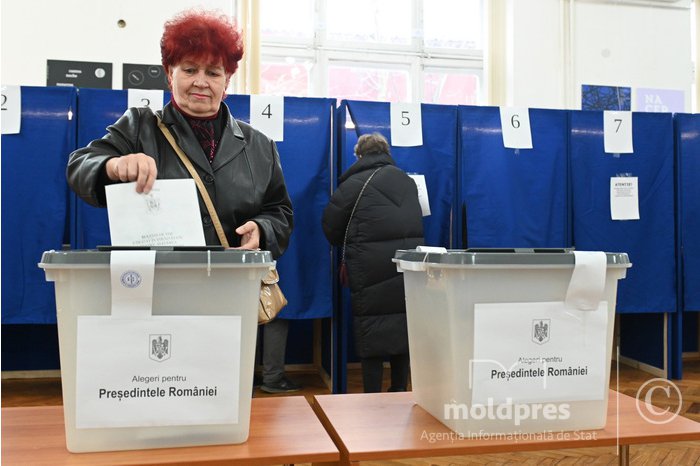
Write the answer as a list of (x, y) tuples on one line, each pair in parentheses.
[(198, 181), (357, 201)]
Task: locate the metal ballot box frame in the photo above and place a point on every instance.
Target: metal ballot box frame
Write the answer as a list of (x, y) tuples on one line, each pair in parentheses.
[(187, 281), (442, 289)]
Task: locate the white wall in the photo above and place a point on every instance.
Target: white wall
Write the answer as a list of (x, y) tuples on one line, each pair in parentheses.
[(85, 30), (535, 68), (558, 45)]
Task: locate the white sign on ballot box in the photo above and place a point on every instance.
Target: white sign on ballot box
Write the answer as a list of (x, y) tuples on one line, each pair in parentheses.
[(538, 352), (132, 274), (157, 371)]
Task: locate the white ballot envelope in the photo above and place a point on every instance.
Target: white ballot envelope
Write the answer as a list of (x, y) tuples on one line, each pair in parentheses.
[(168, 215)]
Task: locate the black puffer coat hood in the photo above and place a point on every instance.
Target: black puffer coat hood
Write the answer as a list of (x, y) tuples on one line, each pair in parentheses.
[(388, 217)]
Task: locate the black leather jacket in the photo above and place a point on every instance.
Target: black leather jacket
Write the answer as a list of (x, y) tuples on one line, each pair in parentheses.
[(245, 181)]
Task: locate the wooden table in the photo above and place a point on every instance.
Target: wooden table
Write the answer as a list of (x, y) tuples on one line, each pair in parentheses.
[(282, 430), (385, 426)]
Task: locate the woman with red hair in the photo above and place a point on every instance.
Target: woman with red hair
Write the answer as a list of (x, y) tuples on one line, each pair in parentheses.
[(240, 166)]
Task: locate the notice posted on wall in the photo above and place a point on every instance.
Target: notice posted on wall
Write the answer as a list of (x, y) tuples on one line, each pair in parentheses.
[(423, 198), (624, 198)]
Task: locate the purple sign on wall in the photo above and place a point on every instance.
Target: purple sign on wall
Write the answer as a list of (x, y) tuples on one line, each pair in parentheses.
[(659, 100)]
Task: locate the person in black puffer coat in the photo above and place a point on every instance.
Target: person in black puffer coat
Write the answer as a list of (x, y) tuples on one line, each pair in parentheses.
[(387, 217)]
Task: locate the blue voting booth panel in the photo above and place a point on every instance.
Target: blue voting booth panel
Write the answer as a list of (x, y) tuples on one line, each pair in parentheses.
[(642, 339), (688, 153), (689, 334), (650, 285), (97, 109), (436, 159), (513, 198), (306, 161), (308, 290), (35, 201), (687, 132), (305, 153), (346, 138)]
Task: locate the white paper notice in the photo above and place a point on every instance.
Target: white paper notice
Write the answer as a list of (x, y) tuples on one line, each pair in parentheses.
[(267, 115), (11, 105), (132, 274), (406, 124), (163, 371), (515, 125), (145, 98), (422, 193), (624, 198), (552, 353), (167, 216), (617, 132)]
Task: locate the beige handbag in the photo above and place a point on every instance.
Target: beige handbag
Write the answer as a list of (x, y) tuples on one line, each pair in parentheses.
[(272, 299)]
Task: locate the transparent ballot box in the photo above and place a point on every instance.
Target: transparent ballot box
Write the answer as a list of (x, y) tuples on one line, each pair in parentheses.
[(156, 355), (508, 341)]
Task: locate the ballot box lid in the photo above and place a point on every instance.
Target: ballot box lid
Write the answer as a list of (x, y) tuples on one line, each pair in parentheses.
[(165, 256), (501, 257)]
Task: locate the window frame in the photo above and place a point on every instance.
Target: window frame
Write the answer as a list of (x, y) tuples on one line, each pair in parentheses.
[(323, 52)]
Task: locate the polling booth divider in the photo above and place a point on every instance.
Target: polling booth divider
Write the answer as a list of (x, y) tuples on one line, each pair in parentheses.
[(34, 200), (687, 139), (305, 154), (513, 198), (346, 138), (648, 296), (34, 219), (436, 160), (347, 135)]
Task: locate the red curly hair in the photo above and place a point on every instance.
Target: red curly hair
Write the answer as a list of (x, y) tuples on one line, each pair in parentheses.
[(201, 35)]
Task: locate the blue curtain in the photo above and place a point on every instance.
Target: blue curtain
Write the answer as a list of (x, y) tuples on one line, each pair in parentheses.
[(436, 159), (305, 152), (650, 285), (35, 201), (97, 109), (513, 198), (688, 150)]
